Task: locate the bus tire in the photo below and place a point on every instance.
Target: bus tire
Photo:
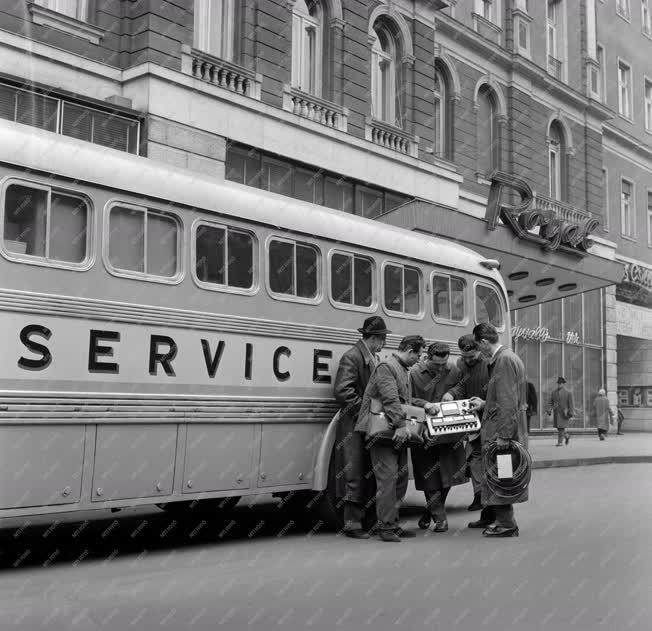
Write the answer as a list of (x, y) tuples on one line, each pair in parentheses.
[(211, 506)]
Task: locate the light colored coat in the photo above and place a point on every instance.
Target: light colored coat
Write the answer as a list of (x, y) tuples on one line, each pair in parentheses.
[(602, 412), (504, 411)]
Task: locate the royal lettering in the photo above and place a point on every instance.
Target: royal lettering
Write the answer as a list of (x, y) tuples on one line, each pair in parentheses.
[(540, 333), (96, 350), (553, 232), (45, 356)]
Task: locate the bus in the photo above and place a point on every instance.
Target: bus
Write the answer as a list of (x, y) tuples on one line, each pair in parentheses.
[(169, 338)]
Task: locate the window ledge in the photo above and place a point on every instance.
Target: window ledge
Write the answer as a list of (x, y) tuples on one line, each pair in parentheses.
[(624, 16), (628, 119), (392, 137), (481, 25), (61, 22), (628, 238), (315, 108)]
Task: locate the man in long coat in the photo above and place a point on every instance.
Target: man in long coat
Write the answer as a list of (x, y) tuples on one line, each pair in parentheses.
[(561, 406), (436, 467), (503, 421), (351, 457), (603, 415)]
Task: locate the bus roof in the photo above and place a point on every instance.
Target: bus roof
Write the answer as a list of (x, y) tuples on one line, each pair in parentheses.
[(83, 161)]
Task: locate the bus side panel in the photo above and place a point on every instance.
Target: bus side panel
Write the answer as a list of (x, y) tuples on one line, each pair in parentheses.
[(40, 465)]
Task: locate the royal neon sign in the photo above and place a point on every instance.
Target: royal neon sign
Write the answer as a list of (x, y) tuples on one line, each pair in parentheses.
[(553, 233)]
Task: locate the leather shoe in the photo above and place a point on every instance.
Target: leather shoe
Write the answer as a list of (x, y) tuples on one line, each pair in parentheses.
[(389, 536), (424, 521), (405, 534), (496, 530), (480, 523), (356, 533), (620, 433), (441, 525), (476, 504)]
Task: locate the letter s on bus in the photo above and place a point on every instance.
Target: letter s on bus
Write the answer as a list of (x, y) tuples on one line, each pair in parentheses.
[(35, 347)]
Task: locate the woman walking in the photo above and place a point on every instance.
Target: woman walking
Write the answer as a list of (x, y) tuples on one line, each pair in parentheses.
[(602, 413)]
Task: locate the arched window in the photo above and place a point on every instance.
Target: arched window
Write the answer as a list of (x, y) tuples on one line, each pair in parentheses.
[(384, 75), (215, 27), (443, 115), (557, 162), (307, 38), (488, 149)]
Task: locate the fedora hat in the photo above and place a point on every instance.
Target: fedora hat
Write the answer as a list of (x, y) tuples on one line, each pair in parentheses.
[(374, 325), (561, 380)]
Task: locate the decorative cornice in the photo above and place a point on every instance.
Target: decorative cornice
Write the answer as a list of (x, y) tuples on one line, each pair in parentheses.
[(629, 141), (61, 22), (337, 23)]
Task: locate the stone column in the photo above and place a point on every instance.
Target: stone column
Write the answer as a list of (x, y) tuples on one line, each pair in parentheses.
[(611, 345)]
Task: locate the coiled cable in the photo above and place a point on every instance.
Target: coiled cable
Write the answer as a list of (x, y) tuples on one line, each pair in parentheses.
[(507, 488)]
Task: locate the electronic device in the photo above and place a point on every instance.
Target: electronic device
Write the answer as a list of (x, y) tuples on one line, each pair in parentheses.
[(454, 419)]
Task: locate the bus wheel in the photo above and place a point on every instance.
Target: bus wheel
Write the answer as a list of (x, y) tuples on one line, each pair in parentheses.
[(331, 507), (213, 505)]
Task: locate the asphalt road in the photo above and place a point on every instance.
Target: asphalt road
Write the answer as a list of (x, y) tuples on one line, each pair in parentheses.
[(583, 561)]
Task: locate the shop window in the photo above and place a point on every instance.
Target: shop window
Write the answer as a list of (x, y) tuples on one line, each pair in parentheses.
[(243, 165), (574, 375), (551, 318), (338, 194), (528, 351), (551, 368), (487, 306), (28, 108), (352, 279), (215, 27), (276, 177), (224, 256), (143, 242), (593, 380), (308, 186), (593, 317), (293, 269), (402, 289), (369, 202), (77, 9), (448, 297), (49, 225), (307, 18), (573, 316), (102, 128)]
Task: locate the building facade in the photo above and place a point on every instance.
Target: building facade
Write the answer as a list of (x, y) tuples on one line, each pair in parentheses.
[(397, 110)]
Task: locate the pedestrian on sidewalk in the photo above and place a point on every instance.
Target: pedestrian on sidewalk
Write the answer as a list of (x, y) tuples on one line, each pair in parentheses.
[(602, 413), (561, 406), (532, 403), (621, 419)]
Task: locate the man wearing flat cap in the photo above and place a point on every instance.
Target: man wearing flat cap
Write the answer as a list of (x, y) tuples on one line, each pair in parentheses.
[(561, 406), (351, 457), (437, 467)]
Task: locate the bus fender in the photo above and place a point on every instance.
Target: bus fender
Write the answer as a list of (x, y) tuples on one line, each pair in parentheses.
[(320, 473)]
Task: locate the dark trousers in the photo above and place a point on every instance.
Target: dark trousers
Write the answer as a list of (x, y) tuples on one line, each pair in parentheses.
[(356, 465), (474, 459), (391, 473), (502, 514), (435, 503), (561, 434)]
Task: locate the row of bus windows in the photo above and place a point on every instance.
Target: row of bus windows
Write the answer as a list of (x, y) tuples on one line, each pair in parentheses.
[(53, 226)]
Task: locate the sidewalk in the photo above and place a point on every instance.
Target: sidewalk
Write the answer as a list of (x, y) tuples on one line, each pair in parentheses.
[(587, 449)]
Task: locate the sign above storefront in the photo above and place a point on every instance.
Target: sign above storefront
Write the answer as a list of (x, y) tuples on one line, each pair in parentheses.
[(554, 233), (636, 286), (542, 334)]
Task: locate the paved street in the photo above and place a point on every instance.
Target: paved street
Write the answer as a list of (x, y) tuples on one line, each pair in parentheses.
[(582, 562)]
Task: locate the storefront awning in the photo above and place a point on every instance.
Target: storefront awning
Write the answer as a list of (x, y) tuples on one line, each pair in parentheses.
[(532, 274)]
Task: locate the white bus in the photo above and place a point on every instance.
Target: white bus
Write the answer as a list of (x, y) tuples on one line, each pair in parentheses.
[(168, 338)]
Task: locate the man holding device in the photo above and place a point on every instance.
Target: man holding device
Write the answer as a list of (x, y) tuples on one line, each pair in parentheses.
[(503, 422)]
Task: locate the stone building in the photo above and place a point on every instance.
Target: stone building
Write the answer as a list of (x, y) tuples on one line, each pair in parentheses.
[(398, 110)]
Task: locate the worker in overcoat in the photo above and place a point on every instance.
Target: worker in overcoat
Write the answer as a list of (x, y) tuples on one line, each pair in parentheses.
[(436, 467), (503, 421), (602, 414), (356, 484), (561, 406)]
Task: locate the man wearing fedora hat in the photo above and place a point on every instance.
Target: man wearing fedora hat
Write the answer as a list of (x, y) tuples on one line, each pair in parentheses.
[(355, 368), (561, 406)]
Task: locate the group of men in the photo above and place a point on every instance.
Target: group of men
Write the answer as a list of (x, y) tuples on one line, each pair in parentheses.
[(374, 473)]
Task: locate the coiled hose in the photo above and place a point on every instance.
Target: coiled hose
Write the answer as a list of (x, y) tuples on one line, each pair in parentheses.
[(508, 488)]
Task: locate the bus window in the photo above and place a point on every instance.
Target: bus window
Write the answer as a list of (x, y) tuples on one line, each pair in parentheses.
[(293, 269), (224, 256), (40, 222), (448, 297), (487, 306), (352, 279), (402, 289), (143, 241)]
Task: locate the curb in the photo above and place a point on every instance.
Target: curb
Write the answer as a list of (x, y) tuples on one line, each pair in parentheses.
[(583, 462)]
